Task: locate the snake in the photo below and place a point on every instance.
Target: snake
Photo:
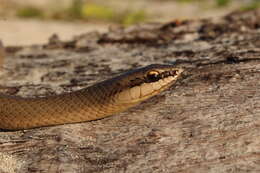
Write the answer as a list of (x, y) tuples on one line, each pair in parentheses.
[(95, 102)]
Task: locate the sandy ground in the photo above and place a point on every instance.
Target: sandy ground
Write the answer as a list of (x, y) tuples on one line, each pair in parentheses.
[(27, 32)]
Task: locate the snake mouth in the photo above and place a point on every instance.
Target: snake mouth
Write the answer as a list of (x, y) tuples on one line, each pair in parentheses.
[(154, 83)]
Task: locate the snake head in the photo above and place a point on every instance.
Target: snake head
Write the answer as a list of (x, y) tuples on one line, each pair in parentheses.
[(140, 84)]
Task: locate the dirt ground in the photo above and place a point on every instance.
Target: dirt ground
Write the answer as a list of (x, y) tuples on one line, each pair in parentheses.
[(207, 122), (15, 31)]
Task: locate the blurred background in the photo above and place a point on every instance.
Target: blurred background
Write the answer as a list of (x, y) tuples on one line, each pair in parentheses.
[(26, 22)]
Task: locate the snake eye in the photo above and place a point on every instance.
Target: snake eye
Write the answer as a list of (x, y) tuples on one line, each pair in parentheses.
[(153, 76)]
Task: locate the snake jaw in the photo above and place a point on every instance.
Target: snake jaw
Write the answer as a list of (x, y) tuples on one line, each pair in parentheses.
[(154, 81)]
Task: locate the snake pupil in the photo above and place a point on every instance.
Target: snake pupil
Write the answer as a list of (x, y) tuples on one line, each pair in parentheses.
[(153, 76)]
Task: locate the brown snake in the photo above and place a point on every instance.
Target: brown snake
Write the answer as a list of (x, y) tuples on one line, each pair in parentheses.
[(95, 102)]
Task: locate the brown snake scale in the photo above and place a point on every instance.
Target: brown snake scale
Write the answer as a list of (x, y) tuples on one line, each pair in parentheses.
[(95, 102)]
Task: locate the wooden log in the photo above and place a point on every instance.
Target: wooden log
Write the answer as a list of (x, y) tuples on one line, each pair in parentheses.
[(208, 122)]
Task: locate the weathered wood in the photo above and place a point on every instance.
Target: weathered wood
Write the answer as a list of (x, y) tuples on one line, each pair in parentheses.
[(2, 54), (207, 122)]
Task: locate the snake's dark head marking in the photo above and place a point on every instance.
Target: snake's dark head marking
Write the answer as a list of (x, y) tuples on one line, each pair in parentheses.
[(142, 83), (151, 74)]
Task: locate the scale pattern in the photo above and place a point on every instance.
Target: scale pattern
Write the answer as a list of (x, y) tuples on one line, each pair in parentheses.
[(95, 102)]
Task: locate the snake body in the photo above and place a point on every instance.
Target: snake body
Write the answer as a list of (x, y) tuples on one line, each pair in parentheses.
[(95, 102)]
